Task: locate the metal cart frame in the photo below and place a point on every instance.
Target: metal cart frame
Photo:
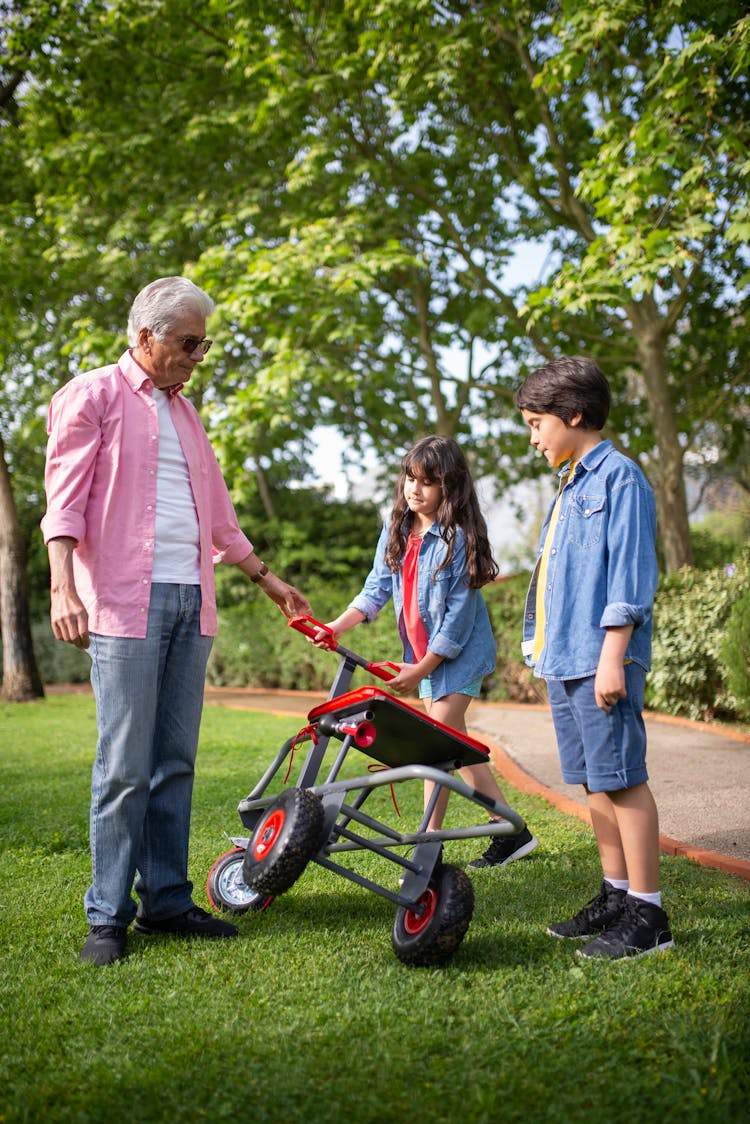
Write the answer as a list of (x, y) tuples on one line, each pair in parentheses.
[(321, 818)]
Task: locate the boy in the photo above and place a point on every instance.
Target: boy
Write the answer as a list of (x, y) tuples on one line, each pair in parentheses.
[(587, 632)]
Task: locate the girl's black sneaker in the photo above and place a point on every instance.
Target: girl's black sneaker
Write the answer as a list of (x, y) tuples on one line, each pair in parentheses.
[(506, 849)]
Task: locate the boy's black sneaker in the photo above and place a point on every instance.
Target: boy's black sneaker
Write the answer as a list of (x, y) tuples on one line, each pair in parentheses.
[(595, 916), (104, 945), (506, 849), (194, 922), (640, 929)]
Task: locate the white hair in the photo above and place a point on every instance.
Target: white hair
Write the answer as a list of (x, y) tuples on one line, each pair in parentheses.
[(163, 303)]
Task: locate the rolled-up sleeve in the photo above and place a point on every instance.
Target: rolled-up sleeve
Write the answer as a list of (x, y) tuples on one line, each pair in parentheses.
[(74, 430), (378, 587), (632, 573)]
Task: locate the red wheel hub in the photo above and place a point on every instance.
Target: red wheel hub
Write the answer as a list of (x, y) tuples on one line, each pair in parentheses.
[(414, 923), (270, 833)]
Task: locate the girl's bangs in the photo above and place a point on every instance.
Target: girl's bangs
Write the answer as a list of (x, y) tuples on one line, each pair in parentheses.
[(425, 463)]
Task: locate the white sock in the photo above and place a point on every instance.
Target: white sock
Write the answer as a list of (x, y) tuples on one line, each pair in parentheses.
[(654, 899), (618, 883)]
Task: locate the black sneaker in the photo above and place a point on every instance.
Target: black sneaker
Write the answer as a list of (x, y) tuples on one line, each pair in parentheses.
[(194, 922), (640, 929), (595, 916), (506, 849), (104, 944)]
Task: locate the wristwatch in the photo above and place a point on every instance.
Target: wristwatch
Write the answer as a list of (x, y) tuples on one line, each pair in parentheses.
[(260, 574)]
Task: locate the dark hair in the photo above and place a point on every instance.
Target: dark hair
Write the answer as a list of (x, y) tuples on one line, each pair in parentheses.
[(566, 387), (440, 460)]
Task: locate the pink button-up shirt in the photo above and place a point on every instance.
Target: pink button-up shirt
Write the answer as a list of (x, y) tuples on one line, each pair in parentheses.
[(100, 479)]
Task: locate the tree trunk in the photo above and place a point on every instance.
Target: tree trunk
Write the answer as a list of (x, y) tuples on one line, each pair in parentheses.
[(21, 680), (668, 478), (264, 492)]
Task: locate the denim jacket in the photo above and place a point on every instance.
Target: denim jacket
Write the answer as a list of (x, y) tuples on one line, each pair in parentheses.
[(455, 617), (602, 568)]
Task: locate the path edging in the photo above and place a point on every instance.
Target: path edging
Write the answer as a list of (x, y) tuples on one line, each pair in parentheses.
[(512, 772)]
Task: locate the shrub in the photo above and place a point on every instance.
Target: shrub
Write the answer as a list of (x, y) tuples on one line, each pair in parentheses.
[(57, 661), (256, 648), (512, 680), (691, 616), (735, 647)]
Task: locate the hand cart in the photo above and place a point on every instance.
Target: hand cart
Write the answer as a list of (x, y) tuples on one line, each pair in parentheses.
[(321, 817)]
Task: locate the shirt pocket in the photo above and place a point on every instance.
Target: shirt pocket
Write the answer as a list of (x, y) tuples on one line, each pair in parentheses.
[(586, 519), (437, 595)]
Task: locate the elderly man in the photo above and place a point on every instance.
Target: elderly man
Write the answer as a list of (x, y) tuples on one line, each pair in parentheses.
[(137, 515)]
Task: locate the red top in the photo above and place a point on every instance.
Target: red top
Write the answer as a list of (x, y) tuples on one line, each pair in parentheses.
[(415, 629)]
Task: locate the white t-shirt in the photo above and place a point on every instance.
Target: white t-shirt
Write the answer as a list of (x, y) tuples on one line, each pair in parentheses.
[(177, 541)]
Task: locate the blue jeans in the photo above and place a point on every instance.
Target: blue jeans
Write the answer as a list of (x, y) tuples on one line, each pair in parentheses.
[(149, 699)]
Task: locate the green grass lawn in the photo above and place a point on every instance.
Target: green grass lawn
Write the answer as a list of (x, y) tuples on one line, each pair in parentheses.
[(309, 1015)]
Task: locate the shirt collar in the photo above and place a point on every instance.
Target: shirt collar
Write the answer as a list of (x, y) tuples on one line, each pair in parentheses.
[(588, 461), (137, 377)]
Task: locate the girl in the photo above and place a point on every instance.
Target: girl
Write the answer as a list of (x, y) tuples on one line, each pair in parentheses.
[(433, 557)]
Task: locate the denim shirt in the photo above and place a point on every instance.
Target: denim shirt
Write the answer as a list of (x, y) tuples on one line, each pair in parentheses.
[(455, 616), (602, 568)]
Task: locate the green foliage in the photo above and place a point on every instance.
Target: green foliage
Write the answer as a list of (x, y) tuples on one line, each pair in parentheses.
[(511, 681), (691, 615), (712, 549), (311, 535), (735, 649), (721, 536), (256, 648), (699, 659), (57, 661), (357, 186), (308, 1015)]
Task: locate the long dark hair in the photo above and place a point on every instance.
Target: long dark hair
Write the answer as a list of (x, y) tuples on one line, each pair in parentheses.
[(440, 460)]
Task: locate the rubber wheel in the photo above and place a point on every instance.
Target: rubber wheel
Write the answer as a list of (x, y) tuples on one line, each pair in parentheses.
[(429, 939), (286, 837), (226, 887)]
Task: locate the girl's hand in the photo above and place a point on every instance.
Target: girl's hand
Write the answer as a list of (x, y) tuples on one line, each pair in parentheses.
[(407, 680), (324, 637), (343, 622)]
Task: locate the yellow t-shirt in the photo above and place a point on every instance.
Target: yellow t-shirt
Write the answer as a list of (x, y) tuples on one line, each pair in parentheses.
[(541, 581)]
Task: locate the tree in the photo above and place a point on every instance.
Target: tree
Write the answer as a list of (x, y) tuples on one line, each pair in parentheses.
[(355, 183), (616, 134), (21, 679)]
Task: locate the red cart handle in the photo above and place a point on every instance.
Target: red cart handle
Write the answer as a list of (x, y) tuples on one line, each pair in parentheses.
[(385, 670), (308, 626)]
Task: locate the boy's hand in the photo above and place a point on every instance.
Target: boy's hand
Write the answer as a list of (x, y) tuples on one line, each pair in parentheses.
[(609, 684)]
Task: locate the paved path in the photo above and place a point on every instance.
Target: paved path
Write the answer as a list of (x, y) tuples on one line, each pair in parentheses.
[(700, 775)]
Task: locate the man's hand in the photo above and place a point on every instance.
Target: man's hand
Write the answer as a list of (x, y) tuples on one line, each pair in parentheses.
[(69, 619), (291, 602)]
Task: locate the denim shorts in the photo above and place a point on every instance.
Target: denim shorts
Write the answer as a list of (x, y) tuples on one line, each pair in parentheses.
[(605, 752), (474, 689)]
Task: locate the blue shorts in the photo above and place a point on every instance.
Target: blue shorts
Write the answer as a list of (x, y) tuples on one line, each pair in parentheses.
[(474, 689), (605, 752)]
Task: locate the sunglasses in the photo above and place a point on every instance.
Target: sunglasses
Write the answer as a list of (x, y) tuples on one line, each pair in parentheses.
[(189, 344)]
